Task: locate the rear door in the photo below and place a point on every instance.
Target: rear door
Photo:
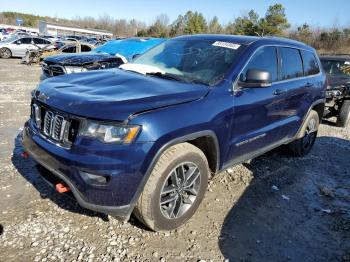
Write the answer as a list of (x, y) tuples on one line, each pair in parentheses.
[(298, 86), (259, 113), (41, 42)]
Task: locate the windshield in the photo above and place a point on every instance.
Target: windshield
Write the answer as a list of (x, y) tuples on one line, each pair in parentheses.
[(10, 39), (204, 61), (336, 68)]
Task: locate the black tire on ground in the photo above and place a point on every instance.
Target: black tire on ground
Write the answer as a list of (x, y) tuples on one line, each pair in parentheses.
[(5, 53), (344, 114), (182, 171), (307, 136)]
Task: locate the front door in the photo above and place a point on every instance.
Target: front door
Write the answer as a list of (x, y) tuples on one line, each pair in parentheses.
[(20, 46), (259, 112)]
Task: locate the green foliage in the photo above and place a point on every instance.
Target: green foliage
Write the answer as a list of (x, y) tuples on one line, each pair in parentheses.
[(178, 26), (194, 23), (274, 22), (247, 25), (214, 26)]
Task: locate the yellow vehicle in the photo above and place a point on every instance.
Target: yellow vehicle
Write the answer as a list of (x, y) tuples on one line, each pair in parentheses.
[(33, 56), (70, 46)]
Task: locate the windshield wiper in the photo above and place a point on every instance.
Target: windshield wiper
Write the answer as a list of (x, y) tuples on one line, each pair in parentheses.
[(167, 76)]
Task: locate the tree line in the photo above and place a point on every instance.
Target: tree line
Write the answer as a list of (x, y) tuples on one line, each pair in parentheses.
[(274, 22)]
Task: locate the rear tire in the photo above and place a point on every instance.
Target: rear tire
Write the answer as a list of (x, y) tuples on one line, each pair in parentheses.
[(174, 189), (5, 53), (344, 114), (303, 145)]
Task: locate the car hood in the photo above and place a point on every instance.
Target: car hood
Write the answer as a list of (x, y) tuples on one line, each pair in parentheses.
[(79, 59), (114, 94)]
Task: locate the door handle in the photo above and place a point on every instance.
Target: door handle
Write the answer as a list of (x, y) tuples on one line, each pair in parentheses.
[(278, 92), (308, 84)]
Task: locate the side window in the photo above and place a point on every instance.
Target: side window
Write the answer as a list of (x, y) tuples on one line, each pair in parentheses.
[(85, 48), (69, 49), (310, 63), (46, 42), (292, 65), (264, 59), (38, 41), (26, 40)]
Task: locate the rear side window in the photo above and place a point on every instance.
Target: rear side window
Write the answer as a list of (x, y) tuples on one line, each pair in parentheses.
[(310, 63), (292, 65), (264, 59), (85, 48), (46, 42), (38, 41)]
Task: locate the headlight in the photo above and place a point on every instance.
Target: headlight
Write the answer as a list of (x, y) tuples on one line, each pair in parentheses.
[(74, 69), (109, 133)]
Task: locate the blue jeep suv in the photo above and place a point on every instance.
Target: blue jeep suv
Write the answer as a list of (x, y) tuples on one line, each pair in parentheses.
[(145, 138)]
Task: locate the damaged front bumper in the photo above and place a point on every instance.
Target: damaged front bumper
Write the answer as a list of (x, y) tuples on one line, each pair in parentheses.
[(99, 182)]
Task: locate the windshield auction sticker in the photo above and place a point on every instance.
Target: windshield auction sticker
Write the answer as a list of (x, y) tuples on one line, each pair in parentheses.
[(226, 45)]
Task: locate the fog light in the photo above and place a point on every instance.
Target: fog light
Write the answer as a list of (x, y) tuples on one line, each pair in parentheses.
[(94, 179)]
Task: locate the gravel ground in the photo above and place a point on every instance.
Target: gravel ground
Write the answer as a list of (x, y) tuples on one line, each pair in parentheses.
[(273, 208)]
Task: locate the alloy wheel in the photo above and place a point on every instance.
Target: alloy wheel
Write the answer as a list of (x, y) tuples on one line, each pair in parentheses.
[(5, 53), (310, 134), (179, 190)]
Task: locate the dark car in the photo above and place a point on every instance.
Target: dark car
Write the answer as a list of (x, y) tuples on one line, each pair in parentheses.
[(110, 55), (337, 69), (146, 138)]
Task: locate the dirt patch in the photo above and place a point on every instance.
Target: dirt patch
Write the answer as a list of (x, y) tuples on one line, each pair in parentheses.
[(274, 208)]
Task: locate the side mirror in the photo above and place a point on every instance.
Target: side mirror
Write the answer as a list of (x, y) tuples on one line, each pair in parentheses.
[(18, 42), (255, 78)]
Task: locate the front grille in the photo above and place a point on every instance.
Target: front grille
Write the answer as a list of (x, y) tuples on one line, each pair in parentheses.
[(49, 117), (57, 127), (52, 70)]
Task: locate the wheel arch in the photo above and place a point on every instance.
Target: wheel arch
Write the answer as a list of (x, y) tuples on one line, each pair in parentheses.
[(201, 139), (205, 141), (317, 106)]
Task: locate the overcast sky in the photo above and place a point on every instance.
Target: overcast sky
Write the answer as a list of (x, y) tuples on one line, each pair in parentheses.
[(323, 13)]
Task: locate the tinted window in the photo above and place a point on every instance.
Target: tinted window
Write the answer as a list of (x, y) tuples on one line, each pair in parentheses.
[(85, 48), (310, 63), (292, 65), (26, 40), (69, 49), (264, 59), (38, 41), (46, 42), (334, 67)]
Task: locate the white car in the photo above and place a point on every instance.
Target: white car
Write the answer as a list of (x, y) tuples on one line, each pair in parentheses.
[(17, 46)]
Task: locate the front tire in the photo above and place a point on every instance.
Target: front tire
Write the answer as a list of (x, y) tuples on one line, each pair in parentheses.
[(5, 53), (303, 145), (174, 189), (344, 114)]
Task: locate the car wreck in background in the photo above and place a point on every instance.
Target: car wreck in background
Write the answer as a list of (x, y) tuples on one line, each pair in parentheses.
[(69, 47), (60, 47), (337, 69), (110, 55)]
